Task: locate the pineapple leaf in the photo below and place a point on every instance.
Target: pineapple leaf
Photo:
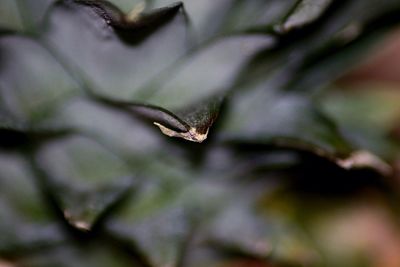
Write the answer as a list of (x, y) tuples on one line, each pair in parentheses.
[(23, 15), (84, 85), (135, 25), (9, 17), (20, 84), (210, 19), (305, 12), (283, 121), (103, 25), (26, 226), (86, 203), (100, 27), (375, 110), (159, 238), (208, 88)]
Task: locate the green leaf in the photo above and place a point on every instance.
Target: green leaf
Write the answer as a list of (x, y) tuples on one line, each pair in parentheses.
[(156, 52), (210, 19), (85, 179), (201, 13), (282, 119), (27, 95), (9, 16), (27, 225), (238, 229), (191, 116), (244, 228), (79, 255), (256, 15), (77, 32), (197, 98), (305, 12), (191, 121), (23, 16), (121, 131), (366, 114), (80, 93), (159, 238)]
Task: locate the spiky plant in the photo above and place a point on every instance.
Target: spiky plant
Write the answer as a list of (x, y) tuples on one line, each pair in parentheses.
[(258, 162)]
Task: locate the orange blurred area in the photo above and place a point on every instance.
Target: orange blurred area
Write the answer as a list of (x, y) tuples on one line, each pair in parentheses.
[(5, 264), (371, 229), (383, 65), (380, 70), (247, 263)]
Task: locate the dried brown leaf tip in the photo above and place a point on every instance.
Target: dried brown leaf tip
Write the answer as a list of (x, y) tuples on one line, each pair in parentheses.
[(364, 159), (192, 135), (198, 120)]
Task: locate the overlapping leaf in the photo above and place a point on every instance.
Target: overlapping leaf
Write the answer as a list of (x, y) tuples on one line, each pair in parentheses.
[(104, 180), (26, 225), (103, 26), (79, 88)]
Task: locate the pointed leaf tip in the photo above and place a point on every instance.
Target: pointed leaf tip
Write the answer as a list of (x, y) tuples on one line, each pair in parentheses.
[(365, 159), (191, 135)]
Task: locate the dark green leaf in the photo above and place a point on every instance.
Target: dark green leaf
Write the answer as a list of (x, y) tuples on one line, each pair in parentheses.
[(366, 116), (79, 255), (287, 120), (78, 32), (9, 16), (160, 238), (79, 95), (197, 98), (210, 19), (24, 16), (256, 15), (32, 83), (305, 12), (26, 223), (104, 179)]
